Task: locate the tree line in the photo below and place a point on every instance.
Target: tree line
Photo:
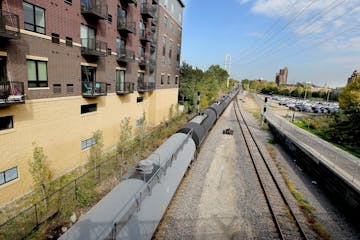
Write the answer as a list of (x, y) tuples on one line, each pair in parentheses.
[(300, 90), (211, 84)]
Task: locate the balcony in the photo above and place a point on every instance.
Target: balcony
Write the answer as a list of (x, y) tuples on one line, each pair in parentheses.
[(126, 26), (152, 65), (9, 25), (146, 86), (125, 56), (154, 21), (93, 47), (124, 88), (94, 8), (128, 1), (147, 10), (153, 41), (11, 93), (93, 89), (143, 61), (145, 36)]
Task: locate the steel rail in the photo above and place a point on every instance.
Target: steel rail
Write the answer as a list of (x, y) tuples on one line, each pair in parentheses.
[(286, 202)]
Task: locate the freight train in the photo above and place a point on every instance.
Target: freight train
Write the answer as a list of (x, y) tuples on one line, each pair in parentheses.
[(135, 207)]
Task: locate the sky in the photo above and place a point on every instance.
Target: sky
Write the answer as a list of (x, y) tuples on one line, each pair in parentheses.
[(317, 40)]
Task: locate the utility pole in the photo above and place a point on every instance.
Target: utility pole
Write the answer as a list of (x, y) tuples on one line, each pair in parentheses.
[(227, 67)]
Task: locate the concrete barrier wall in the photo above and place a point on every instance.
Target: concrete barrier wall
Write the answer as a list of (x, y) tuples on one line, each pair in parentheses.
[(339, 189)]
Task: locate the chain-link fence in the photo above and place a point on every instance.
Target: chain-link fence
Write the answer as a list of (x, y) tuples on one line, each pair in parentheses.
[(85, 190)]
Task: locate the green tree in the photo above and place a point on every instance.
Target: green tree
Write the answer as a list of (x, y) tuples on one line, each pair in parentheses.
[(349, 99), (125, 133), (96, 150), (40, 170)]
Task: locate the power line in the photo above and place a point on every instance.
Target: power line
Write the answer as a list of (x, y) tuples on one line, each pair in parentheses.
[(288, 23), (280, 44), (273, 26)]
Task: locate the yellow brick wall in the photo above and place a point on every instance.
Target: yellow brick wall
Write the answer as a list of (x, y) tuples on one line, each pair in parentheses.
[(58, 127)]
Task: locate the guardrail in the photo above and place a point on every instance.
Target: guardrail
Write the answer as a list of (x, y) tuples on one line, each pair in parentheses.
[(341, 162)]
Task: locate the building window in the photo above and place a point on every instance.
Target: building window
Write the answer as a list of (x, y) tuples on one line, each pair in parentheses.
[(120, 80), (37, 73), (165, 21), (57, 88), (178, 55), (163, 50), (168, 79), (3, 71), (69, 88), (69, 41), (88, 108), (172, 27), (141, 77), (109, 18), (55, 38), (68, 2), (108, 51), (8, 175), (88, 74), (176, 79), (170, 53), (139, 99), (34, 18), (87, 37), (6, 123), (85, 144), (162, 79), (108, 87)]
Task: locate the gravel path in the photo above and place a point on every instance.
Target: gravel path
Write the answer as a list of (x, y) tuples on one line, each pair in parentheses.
[(219, 198)]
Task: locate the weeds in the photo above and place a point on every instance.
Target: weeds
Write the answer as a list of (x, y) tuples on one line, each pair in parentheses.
[(304, 205)]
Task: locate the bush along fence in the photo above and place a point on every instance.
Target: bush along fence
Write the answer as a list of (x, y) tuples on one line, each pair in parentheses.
[(85, 190)]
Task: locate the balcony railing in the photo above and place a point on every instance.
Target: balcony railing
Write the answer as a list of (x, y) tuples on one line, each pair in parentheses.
[(93, 47), (124, 88), (146, 86), (9, 25), (125, 56), (154, 21), (11, 93), (129, 1), (143, 61), (93, 89), (126, 25), (152, 65), (145, 36), (153, 40), (147, 10), (94, 8)]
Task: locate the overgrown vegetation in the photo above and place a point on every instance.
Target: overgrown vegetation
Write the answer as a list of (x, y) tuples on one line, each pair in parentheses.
[(78, 191), (341, 128), (210, 83), (40, 171), (305, 206)]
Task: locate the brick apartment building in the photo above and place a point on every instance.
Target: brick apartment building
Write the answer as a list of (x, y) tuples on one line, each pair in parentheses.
[(71, 67)]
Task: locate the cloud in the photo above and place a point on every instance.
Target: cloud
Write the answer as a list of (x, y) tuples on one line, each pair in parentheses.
[(244, 1)]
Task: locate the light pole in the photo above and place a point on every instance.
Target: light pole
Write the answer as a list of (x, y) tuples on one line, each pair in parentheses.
[(306, 83)]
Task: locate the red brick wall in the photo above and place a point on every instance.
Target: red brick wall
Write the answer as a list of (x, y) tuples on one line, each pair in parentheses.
[(64, 62)]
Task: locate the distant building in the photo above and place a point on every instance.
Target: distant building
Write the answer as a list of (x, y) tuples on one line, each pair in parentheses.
[(354, 75), (281, 77)]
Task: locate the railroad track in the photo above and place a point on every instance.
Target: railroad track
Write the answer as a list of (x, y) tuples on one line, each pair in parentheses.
[(286, 223)]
